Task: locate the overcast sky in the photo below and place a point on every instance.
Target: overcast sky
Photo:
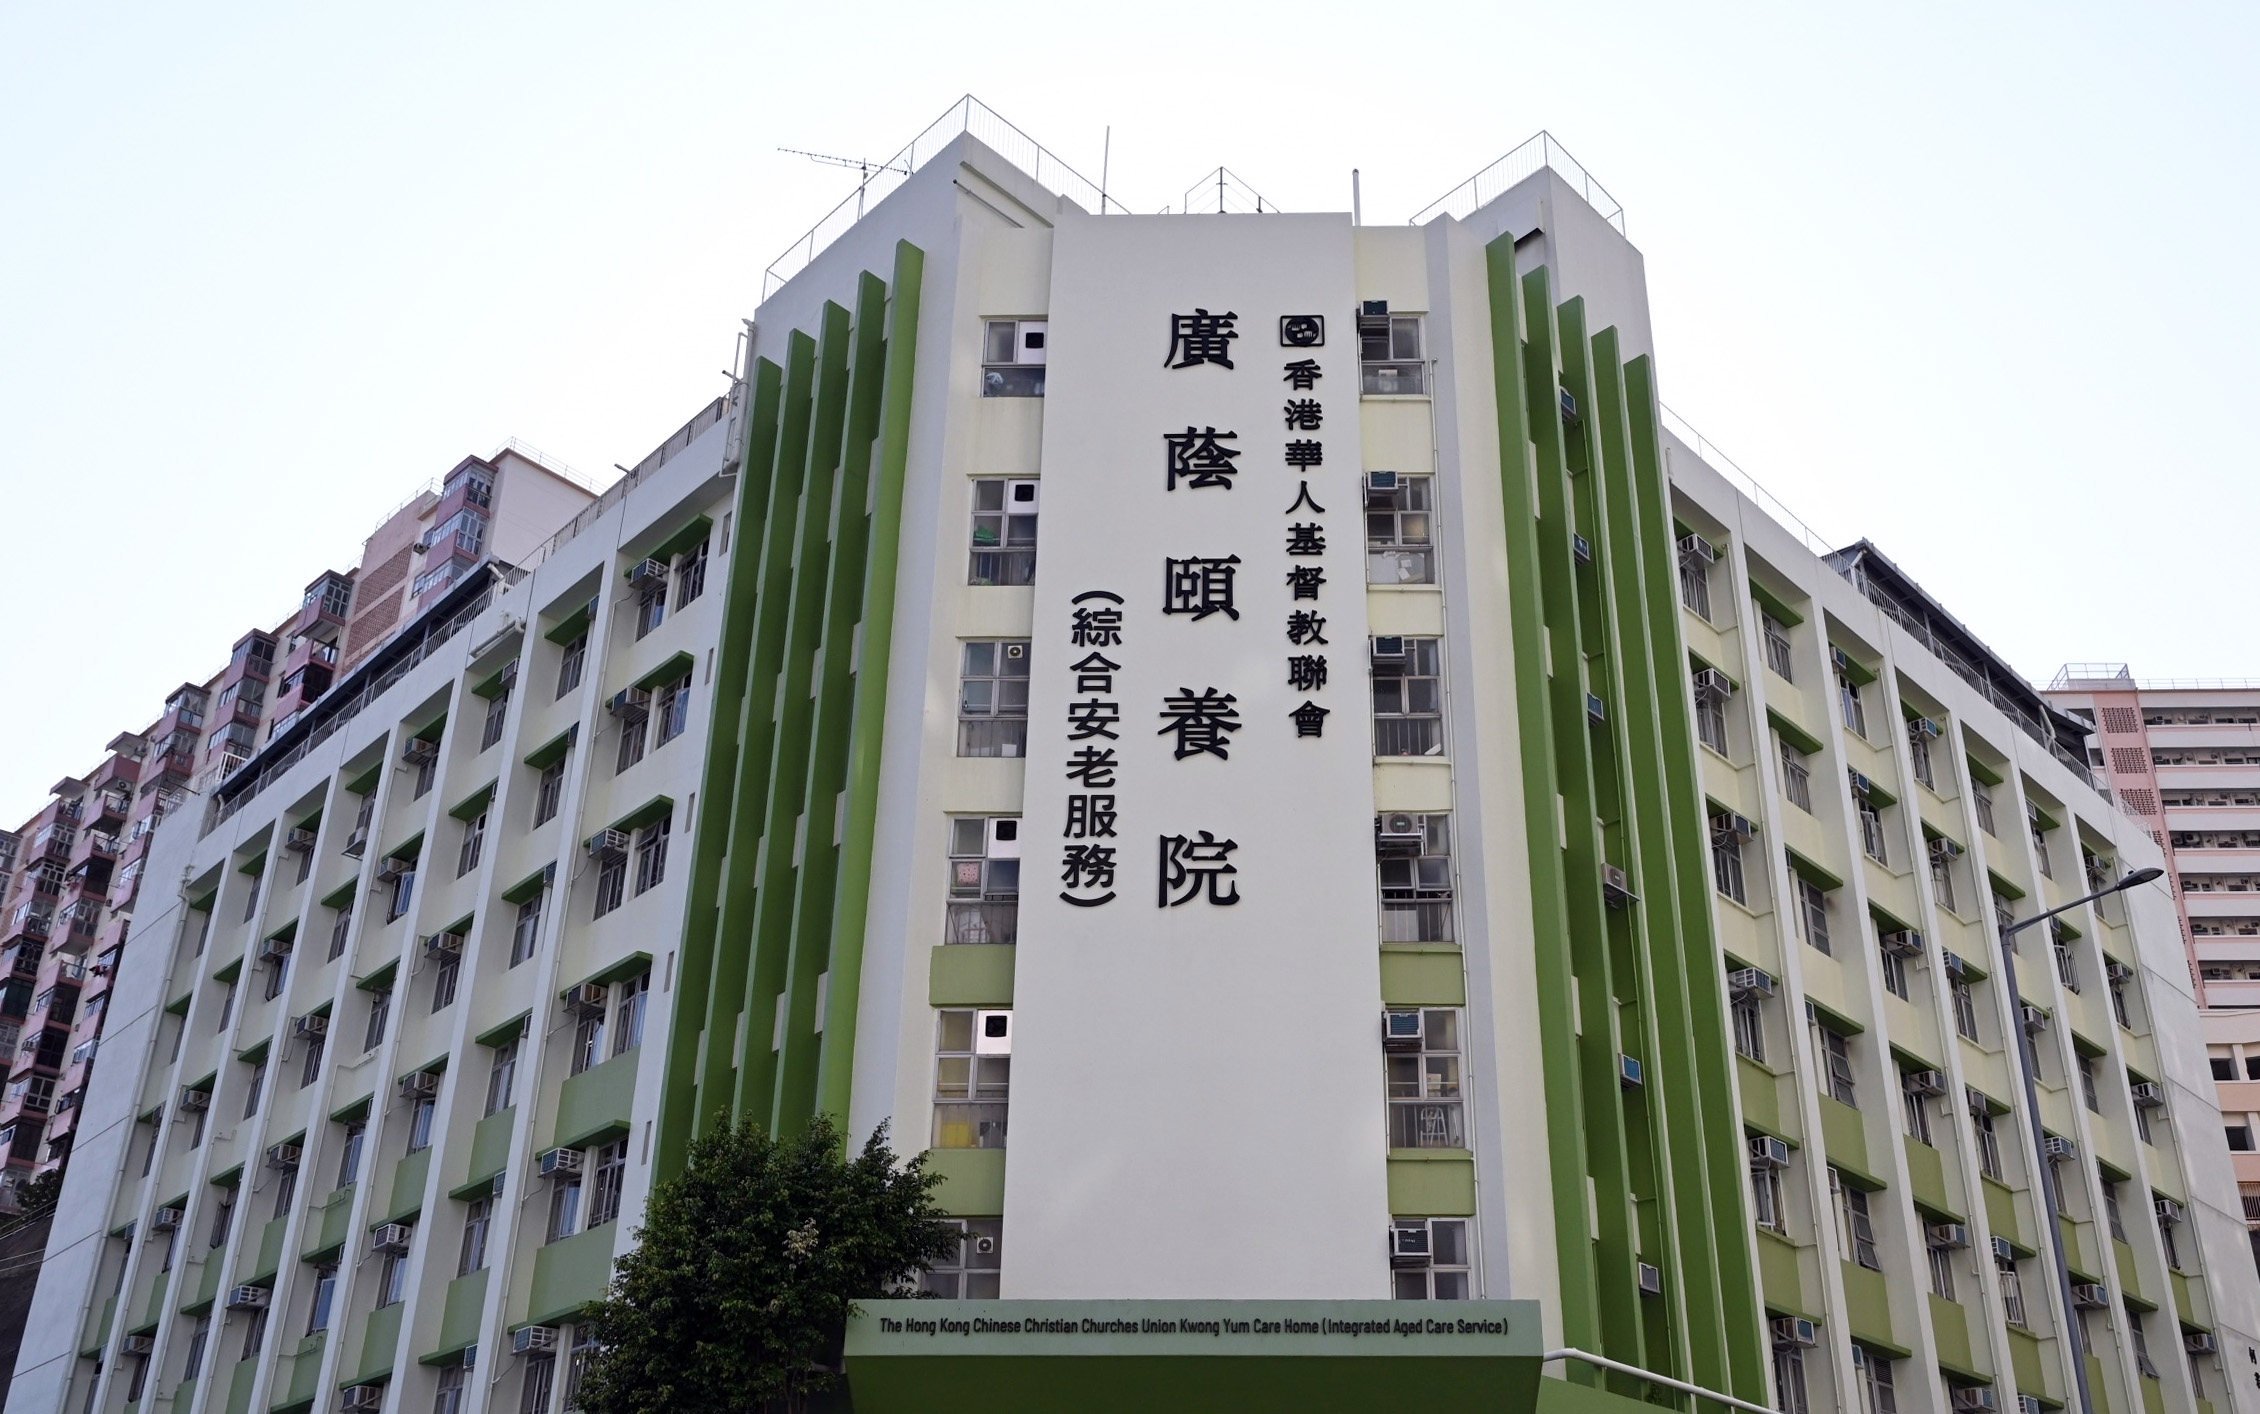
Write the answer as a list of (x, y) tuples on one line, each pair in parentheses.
[(1975, 281)]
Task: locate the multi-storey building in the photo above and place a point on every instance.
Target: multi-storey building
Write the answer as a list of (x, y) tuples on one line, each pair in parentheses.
[(1247, 742), (2185, 756)]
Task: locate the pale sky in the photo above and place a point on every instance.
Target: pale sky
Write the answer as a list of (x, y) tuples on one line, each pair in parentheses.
[(1974, 281)]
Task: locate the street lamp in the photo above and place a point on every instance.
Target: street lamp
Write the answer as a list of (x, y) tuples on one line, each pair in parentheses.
[(2032, 1113)]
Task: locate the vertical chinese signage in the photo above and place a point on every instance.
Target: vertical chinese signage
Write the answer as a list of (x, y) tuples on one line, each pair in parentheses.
[(1196, 1073)]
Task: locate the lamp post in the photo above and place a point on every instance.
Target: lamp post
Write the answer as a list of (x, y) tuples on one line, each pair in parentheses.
[(2025, 1065)]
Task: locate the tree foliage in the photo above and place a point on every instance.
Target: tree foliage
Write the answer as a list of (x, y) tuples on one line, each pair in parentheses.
[(748, 1265)]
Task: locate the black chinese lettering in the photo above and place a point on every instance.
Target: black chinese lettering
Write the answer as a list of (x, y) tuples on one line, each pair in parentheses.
[(1199, 457), (1303, 375), (1095, 673), (1097, 627), (1087, 866), (1306, 627), (1304, 580), (1092, 718), (1306, 537), (1201, 337), (1302, 499), (1199, 587), (1309, 719), (1203, 722), (1092, 767), (1303, 414), (1190, 866), (1302, 331), (1306, 672), (1306, 452), (1089, 817)]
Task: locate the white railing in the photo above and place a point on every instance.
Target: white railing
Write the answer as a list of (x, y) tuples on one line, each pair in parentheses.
[(1539, 153)]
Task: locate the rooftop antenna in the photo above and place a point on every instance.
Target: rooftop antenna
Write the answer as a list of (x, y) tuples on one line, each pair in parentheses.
[(863, 165)]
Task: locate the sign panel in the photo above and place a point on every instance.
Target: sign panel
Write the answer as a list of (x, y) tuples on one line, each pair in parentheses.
[(1197, 1098)]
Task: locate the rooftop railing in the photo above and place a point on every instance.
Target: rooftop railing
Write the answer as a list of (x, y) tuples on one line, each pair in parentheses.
[(1538, 154), (2114, 677)]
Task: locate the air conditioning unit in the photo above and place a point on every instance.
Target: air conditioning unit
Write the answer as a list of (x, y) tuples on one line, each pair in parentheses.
[(138, 1345), (2054, 1147), (358, 1398), (1389, 650), (390, 871), (1944, 848), (1794, 1331), (1616, 887), (2168, 1210), (2200, 1342), (1749, 982), (1695, 550), (1768, 1152), (1596, 711), (284, 1156), (2090, 1295), (390, 1237), (419, 1085), (608, 844), (1381, 487), (1924, 1082), (193, 1099), (2035, 1020), (1903, 942), (648, 573), (443, 945), (1399, 833), (630, 704), (1628, 1071), (311, 1027), (1400, 1031), (1408, 1245), (1976, 1398), (248, 1298), (555, 1163), (1713, 685), (1955, 967), (587, 996), (165, 1219), (1951, 1236), (992, 1033), (509, 675), (1002, 839), (419, 752), (526, 1339), (1861, 785), (1372, 309), (2004, 1250), (356, 843), (1924, 726), (300, 839), (1975, 1101), (2118, 972), (1651, 1279)]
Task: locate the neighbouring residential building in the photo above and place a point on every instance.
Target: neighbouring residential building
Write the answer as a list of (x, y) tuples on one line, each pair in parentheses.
[(2185, 756), (1371, 868)]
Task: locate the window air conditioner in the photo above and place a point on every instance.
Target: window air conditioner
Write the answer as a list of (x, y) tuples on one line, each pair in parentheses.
[(629, 704), (1389, 650), (1975, 1101), (359, 1398), (390, 1237), (1398, 833), (1947, 1235), (2035, 1020), (1749, 982), (1841, 659), (1726, 823), (554, 1163), (1979, 1399), (391, 870), (1955, 967), (1616, 887), (1944, 848), (1924, 726), (419, 1085), (1713, 685), (1651, 1279), (2054, 1147), (1400, 1030), (299, 839), (531, 1338), (648, 573), (193, 1099), (1768, 1152), (1925, 1082), (284, 1156), (419, 752), (1408, 1245), (137, 1345), (1372, 309), (608, 844), (1861, 785), (2090, 1296), (509, 676), (1794, 1331), (1694, 549), (2118, 971), (165, 1219), (1628, 1071), (2004, 1250), (992, 1033), (2200, 1342), (443, 945), (356, 843), (311, 1027), (2169, 1211), (1381, 487), (1903, 942), (248, 1298), (587, 996)]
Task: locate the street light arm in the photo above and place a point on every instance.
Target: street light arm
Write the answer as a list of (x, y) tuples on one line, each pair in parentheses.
[(2139, 876)]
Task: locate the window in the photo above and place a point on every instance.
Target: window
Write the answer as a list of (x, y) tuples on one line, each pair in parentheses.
[(549, 793), (474, 841), (380, 1009), (305, 865), (1942, 854), (310, 1066), (1941, 1271), (2111, 1209), (1988, 1142), (1415, 871), (478, 1215), (1443, 1276), (690, 575), (674, 714), (227, 1008), (2240, 1138), (1694, 582), (2067, 960), (992, 699), (2224, 1067), (972, 1079), (1710, 719), (2142, 1120), (403, 889), (1408, 697), (1836, 1060), (2040, 842), (651, 852), (502, 1077), (526, 930), (1855, 713), (1812, 910), (534, 1388), (984, 871), (570, 661), (275, 973), (1726, 860), (1914, 1100), (349, 1157), (608, 1175), (971, 1272), (1777, 647), (588, 1038), (426, 759), (2087, 1082), (1965, 1010), (1749, 1017), (251, 900), (1877, 1396), (255, 1332), (627, 1013), (2118, 986), (449, 1399), (420, 1122), (1855, 1227), (1894, 966), (252, 1091), (1789, 1378), (1004, 532), (1872, 839), (651, 607), (196, 1341), (1012, 358), (392, 1279), (1389, 361), (325, 1295), (498, 708), (2166, 1237), (611, 881), (223, 1216), (2012, 1291), (341, 925), (1400, 546), (577, 1357), (1769, 1206), (1424, 1086), (633, 726), (1797, 777), (564, 1206)]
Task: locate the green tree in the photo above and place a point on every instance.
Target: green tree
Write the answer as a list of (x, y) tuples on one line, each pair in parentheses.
[(748, 1265)]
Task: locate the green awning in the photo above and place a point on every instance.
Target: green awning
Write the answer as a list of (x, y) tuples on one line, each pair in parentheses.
[(229, 971), (1848, 663), (686, 537), (496, 683), (366, 782), (254, 866), (507, 1032), (2003, 886), (1910, 1060), (379, 980), (2042, 818), (178, 1006), (528, 888), (432, 730), (654, 809), (231, 1179), (678, 666), (202, 902), (628, 966), (407, 849), (1885, 920), (430, 1067), (573, 625), (1795, 735), (470, 806), (1810, 870), (252, 1055), (552, 751), (351, 1112), (1831, 1019), (1983, 772), (1773, 603), (339, 897), (286, 933)]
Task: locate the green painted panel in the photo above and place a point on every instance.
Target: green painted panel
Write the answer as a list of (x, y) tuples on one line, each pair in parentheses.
[(1429, 1183), (1950, 1329), (408, 1178), (1867, 1305), (597, 1102), (1416, 976), (1845, 1136), (380, 1344), (2122, 1256), (1761, 1096), (1926, 1178), (240, 1383), (461, 1313), (972, 1181), (153, 1303), (490, 1149), (2153, 1395), (2001, 1213), (305, 1370), (326, 1222), (2184, 1305), (207, 1287), (2100, 1388), (97, 1332), (2079, 1250), (2028, 1364), (270, 1250), (1780, 1276), (568, 1275), (970, 974)]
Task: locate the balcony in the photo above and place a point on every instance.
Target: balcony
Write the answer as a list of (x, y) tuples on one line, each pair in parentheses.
[(29, 923), (22, 963), (982, 921), (107, 809)]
